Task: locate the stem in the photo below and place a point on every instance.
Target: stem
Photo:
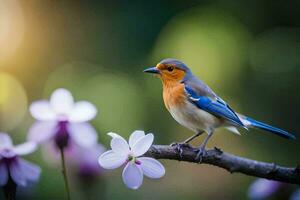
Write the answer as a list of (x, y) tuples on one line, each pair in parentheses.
[(10, 190), (64, 172)]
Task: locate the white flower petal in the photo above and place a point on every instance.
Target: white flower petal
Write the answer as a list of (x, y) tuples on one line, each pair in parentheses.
[(119, 145), (83, 134), (151, 167), (111, 160), (41, 110), (142, 145), (82, 111), (62, 101), (114, 135), (135, 136), (132, 176), (42, 131), (5, 141), (25, 148)]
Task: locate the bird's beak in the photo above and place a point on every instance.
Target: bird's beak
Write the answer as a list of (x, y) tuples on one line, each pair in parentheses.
[(152, 70)]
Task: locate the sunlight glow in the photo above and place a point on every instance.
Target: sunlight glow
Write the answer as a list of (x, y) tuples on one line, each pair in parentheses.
[(11, 27)]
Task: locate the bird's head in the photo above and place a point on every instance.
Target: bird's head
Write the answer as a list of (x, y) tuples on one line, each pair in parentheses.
[(170, 70)]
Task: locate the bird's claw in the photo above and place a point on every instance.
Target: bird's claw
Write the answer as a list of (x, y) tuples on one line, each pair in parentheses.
[(201, 153), (179, 147)]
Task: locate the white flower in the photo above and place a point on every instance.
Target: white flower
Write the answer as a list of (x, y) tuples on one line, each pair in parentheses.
[(129, 154), (61, 119)]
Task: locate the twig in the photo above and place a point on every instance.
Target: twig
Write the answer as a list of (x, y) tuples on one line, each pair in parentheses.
[(229, 162)]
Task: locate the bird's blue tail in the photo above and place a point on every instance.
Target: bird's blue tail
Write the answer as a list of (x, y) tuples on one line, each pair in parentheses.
[(266, 127)]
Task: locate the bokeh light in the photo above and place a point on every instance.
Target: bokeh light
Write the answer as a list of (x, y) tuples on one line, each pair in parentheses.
[(117, 98), (211, 41), (13, 102), (70, 75), (11, 27)]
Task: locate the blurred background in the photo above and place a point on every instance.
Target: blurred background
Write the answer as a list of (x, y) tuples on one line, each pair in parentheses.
[(247, 51)]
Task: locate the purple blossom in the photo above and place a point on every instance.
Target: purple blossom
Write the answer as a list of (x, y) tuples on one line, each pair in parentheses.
[(83, 159), (129, 154), (61, 119), (295, 195), (12, 166), (263, 188), (86, 159)]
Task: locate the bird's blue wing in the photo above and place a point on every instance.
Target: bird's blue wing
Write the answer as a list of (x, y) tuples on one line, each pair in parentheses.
[(215, 106)]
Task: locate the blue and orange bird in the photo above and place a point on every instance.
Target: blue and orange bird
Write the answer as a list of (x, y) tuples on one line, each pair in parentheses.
[(195, 106)]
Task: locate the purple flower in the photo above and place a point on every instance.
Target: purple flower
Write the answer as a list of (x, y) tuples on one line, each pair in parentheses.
[(295, 195), (61, 119), (86, 159), (14, 167), (263, 188), (129, 154)]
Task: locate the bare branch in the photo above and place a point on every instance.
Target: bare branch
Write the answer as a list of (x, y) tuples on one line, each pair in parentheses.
[(229, 162)]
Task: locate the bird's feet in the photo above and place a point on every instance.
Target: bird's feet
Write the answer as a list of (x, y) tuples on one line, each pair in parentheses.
[(180, 146), (201, 153)]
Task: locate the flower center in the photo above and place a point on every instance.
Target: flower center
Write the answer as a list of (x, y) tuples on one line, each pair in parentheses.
[(7, 153), (133, 159), (62, 135)]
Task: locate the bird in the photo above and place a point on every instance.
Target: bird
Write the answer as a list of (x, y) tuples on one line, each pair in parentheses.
[(194, 105)]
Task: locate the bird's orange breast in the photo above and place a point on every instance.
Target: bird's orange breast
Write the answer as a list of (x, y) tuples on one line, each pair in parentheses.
[(173, 94)]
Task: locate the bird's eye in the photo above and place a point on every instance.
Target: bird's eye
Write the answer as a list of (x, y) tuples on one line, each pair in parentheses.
[(170, 68)]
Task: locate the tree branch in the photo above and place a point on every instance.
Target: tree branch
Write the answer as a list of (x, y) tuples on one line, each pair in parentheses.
[(229, 162)]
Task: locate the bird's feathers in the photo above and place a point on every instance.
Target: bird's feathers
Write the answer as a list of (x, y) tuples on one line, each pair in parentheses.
[(220, 108), (233, 130), (194, 105), (175, 62), (272, 129), (198, 86), (215, 106)]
